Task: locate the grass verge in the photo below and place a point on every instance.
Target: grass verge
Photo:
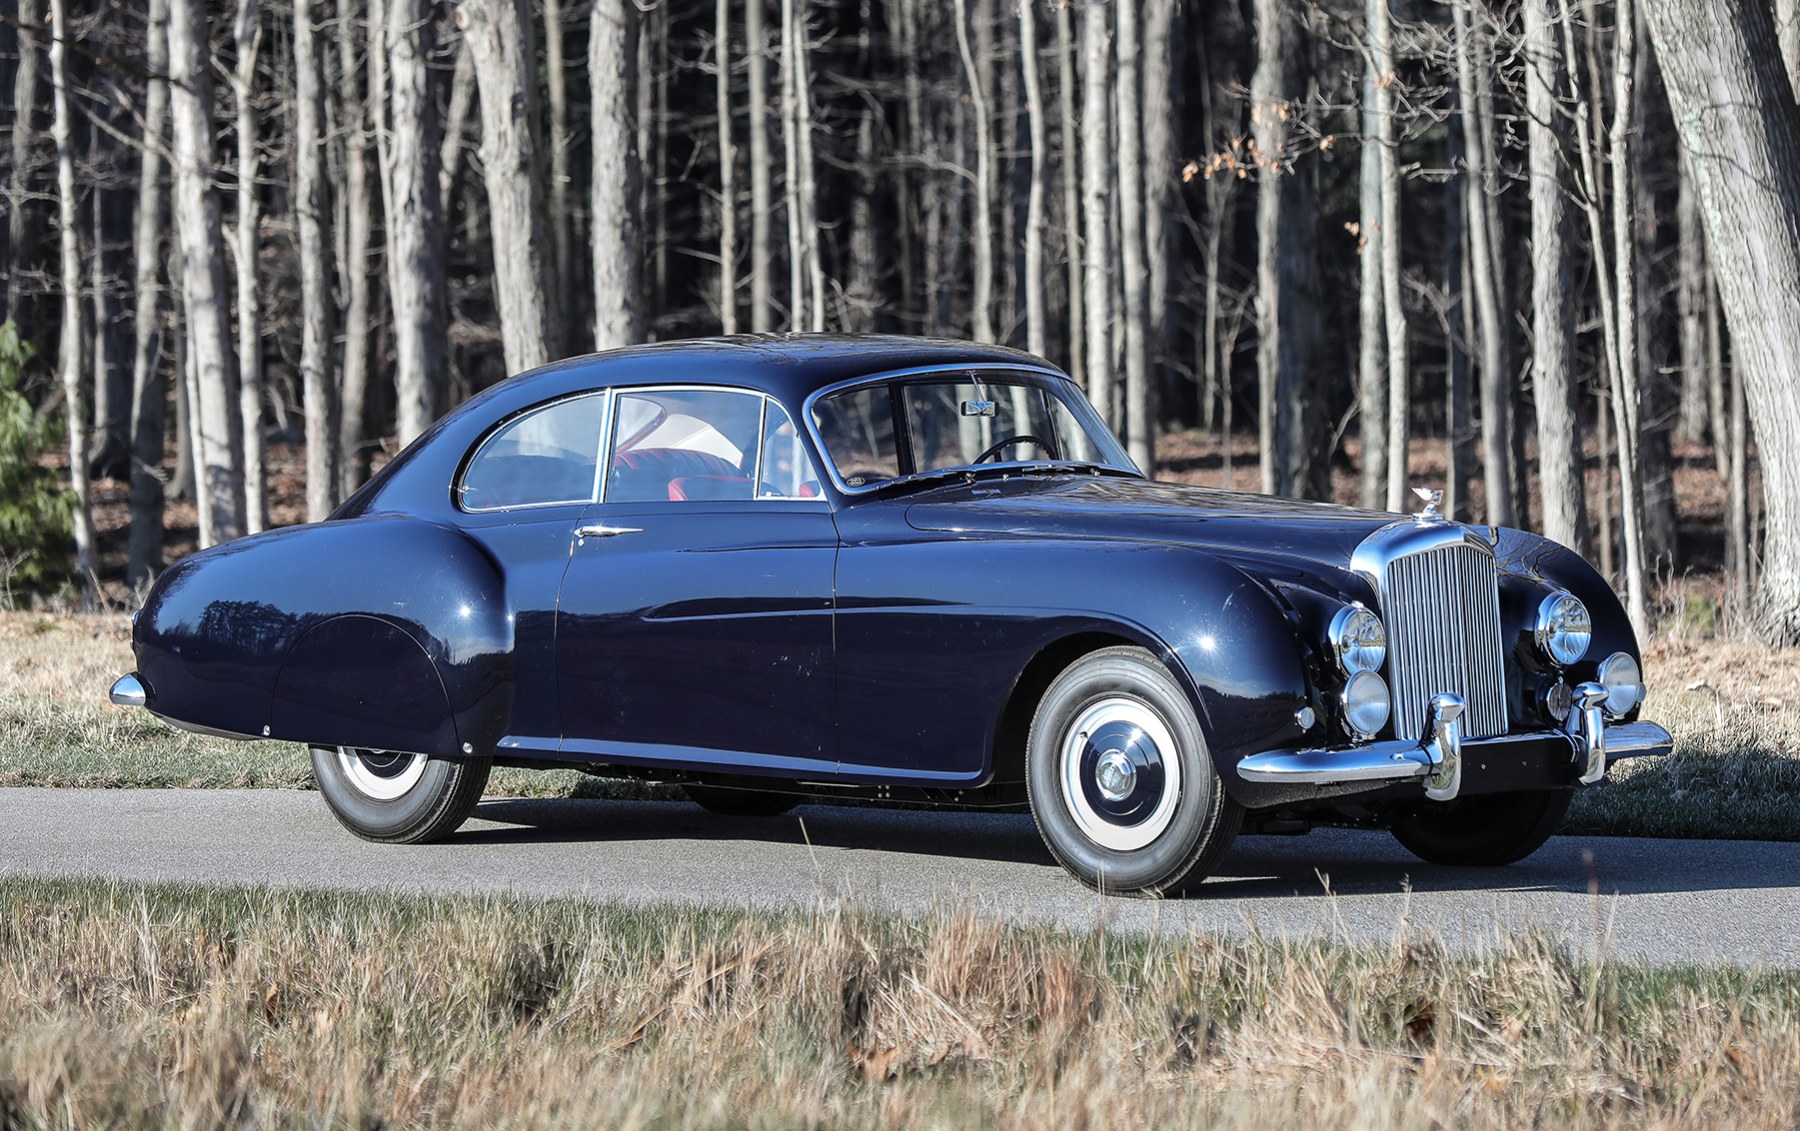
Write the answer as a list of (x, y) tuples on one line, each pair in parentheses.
[(160, 1006), (1734, 709)]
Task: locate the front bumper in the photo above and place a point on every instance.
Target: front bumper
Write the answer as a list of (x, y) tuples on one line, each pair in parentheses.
[(1588, 744)]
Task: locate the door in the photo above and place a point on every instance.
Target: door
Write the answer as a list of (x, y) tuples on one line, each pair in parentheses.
[(522, 491), (694, 627)]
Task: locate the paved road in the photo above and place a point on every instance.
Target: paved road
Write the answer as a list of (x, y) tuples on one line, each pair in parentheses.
[(1660, 901)]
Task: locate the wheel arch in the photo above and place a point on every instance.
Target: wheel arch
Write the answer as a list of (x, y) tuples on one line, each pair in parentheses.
[(1239, 665), (1028, 689)]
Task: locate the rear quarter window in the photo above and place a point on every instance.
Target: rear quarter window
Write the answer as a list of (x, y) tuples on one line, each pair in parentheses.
[(544, 457)]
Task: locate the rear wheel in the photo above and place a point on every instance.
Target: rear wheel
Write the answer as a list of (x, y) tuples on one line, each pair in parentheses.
[(1484, 831), (396, 797), (1120, 780), (739, 802)]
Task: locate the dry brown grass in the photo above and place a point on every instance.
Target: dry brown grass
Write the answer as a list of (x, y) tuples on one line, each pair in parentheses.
[(139, 1006)]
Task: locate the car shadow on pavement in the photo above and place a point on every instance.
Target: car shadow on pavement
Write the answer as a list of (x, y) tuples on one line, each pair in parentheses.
[(1348, 863)]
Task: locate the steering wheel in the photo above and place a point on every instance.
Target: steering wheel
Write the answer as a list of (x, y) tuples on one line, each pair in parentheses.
[(1019, 438)]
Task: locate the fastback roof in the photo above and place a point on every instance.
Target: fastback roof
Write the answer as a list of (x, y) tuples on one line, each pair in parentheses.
[(788, 367)]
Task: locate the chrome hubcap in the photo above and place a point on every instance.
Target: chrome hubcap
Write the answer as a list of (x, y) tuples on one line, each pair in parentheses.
[(1115, 775), (1121, 778), (382, 775)]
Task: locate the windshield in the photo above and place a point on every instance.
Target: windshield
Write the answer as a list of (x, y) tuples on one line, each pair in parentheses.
[(913, 426)]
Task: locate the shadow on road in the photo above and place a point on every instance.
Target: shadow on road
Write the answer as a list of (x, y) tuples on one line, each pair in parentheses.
[(1351, 863)]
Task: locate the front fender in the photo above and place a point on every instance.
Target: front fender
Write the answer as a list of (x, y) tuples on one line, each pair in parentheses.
[(219, 629)]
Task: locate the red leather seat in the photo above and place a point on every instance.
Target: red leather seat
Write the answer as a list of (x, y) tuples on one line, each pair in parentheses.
[(694, 487), (647, 474)]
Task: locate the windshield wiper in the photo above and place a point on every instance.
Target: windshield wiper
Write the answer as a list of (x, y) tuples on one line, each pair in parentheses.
[(971, 472)]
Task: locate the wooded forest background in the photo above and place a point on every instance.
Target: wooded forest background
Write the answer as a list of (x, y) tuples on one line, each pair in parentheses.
[(1541, 253)]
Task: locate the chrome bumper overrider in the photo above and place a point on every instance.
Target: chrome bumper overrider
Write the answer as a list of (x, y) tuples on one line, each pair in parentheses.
[(128, 691), (1438, 758)]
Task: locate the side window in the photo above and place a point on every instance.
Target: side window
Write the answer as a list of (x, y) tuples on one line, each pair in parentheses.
[(684, 445), (546, 456), (857, 428), (787, 472)]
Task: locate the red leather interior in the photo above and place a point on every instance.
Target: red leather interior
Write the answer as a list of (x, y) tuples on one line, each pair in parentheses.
[(693, 487), (642, 474)]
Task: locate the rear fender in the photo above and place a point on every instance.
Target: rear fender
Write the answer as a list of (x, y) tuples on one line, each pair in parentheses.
[(222, 628)]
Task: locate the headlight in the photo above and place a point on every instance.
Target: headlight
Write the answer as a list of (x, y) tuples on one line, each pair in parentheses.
[(1624, 682), (1358, 640), (1365, 705), (1563, 629)]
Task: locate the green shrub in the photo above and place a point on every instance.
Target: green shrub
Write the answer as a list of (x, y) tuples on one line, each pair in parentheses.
[(36, 512)]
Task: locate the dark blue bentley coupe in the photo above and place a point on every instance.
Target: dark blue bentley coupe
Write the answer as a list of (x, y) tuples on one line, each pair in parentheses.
[(895, 569)]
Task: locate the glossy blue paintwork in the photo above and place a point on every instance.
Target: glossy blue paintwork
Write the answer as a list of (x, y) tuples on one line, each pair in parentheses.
[(891, 639)]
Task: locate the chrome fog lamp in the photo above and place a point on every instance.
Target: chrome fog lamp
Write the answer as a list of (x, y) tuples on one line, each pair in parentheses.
[(1624, 683), (1358, 640), (1366, 705), (1564, 630)]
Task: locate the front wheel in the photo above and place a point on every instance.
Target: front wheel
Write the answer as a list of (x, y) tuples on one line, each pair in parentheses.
[(1120, 780), (398, 798), (1484, 831)]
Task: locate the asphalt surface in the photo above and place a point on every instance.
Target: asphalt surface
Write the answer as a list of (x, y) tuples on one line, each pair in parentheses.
[(1657, 901)]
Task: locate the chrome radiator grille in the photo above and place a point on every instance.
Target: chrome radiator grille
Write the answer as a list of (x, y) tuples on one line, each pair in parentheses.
[(1442, 611)]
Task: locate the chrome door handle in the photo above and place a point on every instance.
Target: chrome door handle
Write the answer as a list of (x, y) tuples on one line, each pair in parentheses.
[(601, 530)]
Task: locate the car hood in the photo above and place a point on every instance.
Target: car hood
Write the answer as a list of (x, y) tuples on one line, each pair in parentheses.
[(1279, 536)]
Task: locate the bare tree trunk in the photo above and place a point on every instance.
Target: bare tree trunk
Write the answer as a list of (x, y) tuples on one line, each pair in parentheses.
[(1739, 126), (809, 185), (149, 394), (1140, 411), (762, 259), (1162, 105), (456, 124), (1287, 299), (353, 463), (1458, 318), (1496, 375), (110, 445), (246, 34), (1096, 162), (790, 141), (1071, 192), (1394, 310), (727, 172), (561, 229), (1561, 479), (1625, 374), (1737, 507), (73, 355), (219, 479), (983, 300), (316, 306), (1267, 111), (612, 67), (22, 224), (1037, 318), (415, 228), (1717, 412), (1690, 302), (497, 33), (1372, 396), (1787, 31)]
